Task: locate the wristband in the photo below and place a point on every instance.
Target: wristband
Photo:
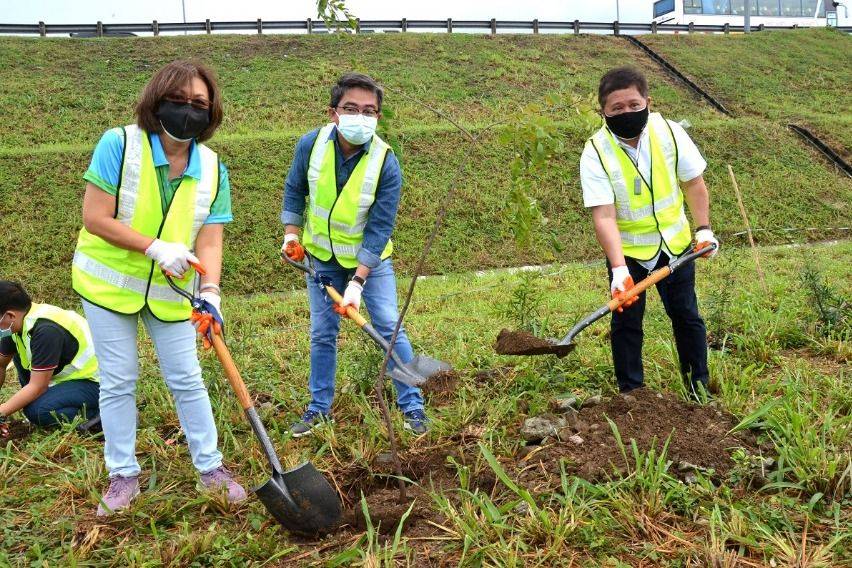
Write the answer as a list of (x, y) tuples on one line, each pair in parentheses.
[(359, 280), (210, 286), (703, 228)]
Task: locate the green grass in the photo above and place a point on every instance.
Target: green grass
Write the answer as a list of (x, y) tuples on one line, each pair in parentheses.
[(801, 77), (777, 370), (58, 96)]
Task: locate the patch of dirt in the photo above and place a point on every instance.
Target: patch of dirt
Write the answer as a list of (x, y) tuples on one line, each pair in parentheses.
[(518, 342), (699, 436), (89, 531), (441, 389), (14, 430)]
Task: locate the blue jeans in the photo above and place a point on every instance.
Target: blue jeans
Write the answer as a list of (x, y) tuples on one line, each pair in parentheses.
[(63, 402), (118, 358), (380, 298)]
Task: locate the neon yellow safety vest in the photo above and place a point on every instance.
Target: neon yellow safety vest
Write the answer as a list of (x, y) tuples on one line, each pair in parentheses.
[(126, 281), (84, 365), (656, 213), (334, 224)]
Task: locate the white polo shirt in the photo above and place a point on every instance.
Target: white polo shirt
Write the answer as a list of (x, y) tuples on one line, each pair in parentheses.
[(597, 189)]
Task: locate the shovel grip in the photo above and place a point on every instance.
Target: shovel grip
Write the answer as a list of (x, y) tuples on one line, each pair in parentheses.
[(652, 279), (232, 372), (350, 311)]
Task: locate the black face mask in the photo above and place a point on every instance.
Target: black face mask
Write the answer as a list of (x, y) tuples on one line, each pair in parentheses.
[(182, 121), (628, 124)]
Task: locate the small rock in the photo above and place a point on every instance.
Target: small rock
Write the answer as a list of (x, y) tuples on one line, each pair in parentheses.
[(595, 426), (384, 458), (659, 395), (690, 478), (266, 405), (575, 439), (686, 466), (628, 398), (592, 401), (713, 404), (537, 428), (522, 508), (768, 462), (565, 405)]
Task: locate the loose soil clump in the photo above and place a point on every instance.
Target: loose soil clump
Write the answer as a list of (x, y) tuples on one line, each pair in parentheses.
[(700, 439), (519, 342), (14, 430), (441, 388)]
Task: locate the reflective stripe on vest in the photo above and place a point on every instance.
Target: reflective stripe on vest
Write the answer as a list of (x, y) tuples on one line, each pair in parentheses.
[(84, 365), (126, 281), (334, 223), (657, 213)]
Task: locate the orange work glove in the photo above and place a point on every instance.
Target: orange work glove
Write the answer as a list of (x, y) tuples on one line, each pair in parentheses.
[(703, 238), (621, 283), (292, 248), (203, 324)]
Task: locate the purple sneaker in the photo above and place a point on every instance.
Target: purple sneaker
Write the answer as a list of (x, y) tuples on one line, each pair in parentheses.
[(121, 492), (220, 477)]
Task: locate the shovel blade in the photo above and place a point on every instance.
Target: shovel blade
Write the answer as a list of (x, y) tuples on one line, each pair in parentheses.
[(418, 370), (524, 343), (314, 508)]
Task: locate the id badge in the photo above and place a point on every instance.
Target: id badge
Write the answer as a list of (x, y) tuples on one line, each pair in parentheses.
[(637, 186)]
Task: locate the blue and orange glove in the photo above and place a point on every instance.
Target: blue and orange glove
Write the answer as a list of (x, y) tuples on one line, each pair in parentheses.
[(207, 318)]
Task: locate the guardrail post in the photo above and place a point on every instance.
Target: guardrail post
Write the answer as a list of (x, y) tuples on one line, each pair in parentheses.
[(207, 27), (493, 26), (42, 29), (259, 26), (535, 26), (727, 28), (156, 28), (309, 25), (576, 27), (404, 25), (449, 25), (760, 28), (99, 29), (616, 28), (795, 26), (691, 27), (357, 25), (653, 27)]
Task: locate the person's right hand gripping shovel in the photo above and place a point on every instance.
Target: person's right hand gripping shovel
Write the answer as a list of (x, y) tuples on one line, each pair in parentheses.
[(414, 373)]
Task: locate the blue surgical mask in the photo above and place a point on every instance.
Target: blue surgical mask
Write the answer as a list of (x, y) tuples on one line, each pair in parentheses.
[(356, 128), (5, 332)]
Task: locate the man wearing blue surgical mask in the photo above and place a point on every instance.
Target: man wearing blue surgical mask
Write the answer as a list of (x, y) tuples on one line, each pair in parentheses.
[(340, 203)]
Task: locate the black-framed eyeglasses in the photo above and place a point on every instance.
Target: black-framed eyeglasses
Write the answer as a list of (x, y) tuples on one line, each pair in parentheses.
[(354, 109), (197, 102)]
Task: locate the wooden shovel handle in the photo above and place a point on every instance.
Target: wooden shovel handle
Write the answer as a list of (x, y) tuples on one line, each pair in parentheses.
[(652, 279), (232, 372), (350, 311)]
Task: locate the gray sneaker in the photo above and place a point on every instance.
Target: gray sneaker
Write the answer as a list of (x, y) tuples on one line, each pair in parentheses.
[(122, 490), (221, 478), (310, 419), (416, 421)]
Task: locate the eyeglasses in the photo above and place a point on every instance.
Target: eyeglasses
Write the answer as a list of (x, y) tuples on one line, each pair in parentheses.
[(353, 109), (197, 103)]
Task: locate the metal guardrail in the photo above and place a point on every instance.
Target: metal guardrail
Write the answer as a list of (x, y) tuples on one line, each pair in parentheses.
[(361, 26)]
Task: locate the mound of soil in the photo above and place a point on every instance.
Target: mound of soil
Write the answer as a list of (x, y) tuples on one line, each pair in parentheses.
[(14, 430), (699, 437), (518, 342), (441, 388)]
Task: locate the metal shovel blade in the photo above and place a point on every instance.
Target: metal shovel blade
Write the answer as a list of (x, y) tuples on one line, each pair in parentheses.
[(317, 507), (523, 343), (419, 370)]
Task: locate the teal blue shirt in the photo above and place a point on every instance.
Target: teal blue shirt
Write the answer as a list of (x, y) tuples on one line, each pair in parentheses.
[(105, 171)]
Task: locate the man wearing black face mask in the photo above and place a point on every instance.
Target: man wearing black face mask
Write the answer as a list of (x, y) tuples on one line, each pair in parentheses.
[(637, 171)]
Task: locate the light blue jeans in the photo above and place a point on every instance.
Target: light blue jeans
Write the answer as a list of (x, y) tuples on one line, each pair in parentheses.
[(115, 338), (380, 298)]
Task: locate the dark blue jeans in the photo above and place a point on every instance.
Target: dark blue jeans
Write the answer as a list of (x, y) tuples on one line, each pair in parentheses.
[(678, 295), (63, 401)]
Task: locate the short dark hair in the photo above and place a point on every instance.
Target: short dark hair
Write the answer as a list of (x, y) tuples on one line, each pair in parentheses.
[(355, 81), (621, 78), (169, 79), (13, 297)]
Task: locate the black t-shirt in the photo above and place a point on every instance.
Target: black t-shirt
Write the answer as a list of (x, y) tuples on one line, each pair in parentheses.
[(52, 347)]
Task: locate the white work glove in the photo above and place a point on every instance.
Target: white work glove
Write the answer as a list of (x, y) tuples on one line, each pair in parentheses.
[(352, 295), (621, 282), (292, 248), (214, 299), (174, 258), (704, 237)]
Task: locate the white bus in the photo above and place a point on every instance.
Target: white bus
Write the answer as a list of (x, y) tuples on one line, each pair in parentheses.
[(767, 12)]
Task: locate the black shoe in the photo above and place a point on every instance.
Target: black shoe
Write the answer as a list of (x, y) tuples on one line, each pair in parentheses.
[(91, 426)]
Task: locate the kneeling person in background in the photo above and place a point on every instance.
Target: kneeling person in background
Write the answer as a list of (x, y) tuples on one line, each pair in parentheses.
[(54, 358)]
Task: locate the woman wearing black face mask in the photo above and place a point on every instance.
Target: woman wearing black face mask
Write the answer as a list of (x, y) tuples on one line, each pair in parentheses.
[(637, 173), (156, 202)]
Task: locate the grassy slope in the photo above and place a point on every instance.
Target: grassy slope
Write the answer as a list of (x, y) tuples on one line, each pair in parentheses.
[(773, 351), (800, 77), (274, 88)]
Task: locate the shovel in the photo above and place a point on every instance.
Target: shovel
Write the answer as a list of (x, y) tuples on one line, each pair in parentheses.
[(418, 371), (301, 499), (522, 343)]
